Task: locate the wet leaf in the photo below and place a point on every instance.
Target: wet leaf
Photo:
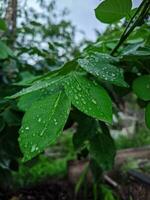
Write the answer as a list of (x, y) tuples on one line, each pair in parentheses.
[(26, 101), (101, 66), (52, 83), (43, 123), (89, 97)]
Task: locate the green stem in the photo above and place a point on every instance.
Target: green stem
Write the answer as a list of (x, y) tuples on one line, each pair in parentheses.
[(140, 14)]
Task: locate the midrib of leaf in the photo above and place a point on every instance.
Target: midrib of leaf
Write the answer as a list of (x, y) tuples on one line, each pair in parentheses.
[(55, 105), (85, 91)]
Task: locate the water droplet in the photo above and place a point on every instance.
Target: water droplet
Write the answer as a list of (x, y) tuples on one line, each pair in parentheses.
[(36, 148), (27, 127), (39, 120), (42, 133), (93, 100), (55, 122), (33, 148)]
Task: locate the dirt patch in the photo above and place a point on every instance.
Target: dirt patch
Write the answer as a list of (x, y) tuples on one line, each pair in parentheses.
[(48, 190)]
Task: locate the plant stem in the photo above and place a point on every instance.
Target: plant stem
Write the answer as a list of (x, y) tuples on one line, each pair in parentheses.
[(140, 14)]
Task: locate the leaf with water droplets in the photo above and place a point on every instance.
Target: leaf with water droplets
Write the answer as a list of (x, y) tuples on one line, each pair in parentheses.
[(42, 84), (89, 97), (42, 124), (26, 101), (141, 87), (101, 66)]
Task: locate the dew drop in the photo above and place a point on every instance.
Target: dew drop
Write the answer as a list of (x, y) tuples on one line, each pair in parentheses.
[(93, 100), (36, 148), (55, 122), (33, 148), (42, 133), (39, 120)]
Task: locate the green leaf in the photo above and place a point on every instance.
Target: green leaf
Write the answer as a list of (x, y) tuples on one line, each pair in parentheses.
[(141, 87), (147, 116), (110, 11), (3, 25), (87, 128), (43, 123), (26, 101), (102, 149), (52, 83), (100, 65), (89, 97), (10, 117), (27, 79), (5, 51)]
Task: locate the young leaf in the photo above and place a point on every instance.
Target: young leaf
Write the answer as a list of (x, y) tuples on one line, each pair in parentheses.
[(100, 65), (110, 11), (89, 98), (43, 123), (147, 116), (141, 87), (102, 149)]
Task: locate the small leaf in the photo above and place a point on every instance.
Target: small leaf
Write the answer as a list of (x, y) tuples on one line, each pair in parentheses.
[(110, 11), (147, 116), (102, 149), (43, 123), (89, 98), (141, 87), (5, 51), (100, 65)]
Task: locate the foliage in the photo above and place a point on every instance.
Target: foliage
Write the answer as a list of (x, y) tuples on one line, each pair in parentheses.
[(85, 89), (22, 61)]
